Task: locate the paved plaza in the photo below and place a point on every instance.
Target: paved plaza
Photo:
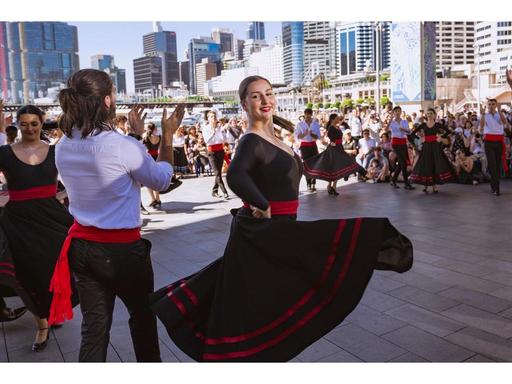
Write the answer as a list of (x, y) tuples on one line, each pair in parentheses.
[(455, 305)]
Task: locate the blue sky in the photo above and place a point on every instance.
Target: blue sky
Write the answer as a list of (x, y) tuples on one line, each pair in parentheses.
[(123, 40)]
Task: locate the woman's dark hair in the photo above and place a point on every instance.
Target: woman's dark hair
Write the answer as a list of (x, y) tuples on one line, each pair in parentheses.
[(83, 105), (332, 116), (242, 93), (30, 110), (397, 108), (151, 126), (432, 110)]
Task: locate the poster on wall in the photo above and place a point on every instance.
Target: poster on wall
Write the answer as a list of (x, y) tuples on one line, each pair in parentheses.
[(406, 62)]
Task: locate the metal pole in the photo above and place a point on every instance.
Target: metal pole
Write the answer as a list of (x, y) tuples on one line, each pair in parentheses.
[(377, 67), (478, 75)]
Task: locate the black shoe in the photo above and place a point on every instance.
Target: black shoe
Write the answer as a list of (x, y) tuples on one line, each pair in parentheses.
[(313, 188), (153, 203), (143, 210), (334, 192), (8, 314), (225, 196), (38, 347), (435, 190), (496, 192), (158, 204), (425, 190), (409, 187), (215, 194), (329, 190), (394, 185)]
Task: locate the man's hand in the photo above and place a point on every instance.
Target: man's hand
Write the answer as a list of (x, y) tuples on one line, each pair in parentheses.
[(260, 214), (172, 123), (508, 72), (482, 109), (136, 120)]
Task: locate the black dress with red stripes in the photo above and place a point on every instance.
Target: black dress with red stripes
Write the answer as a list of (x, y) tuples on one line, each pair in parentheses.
[(333, 163), (281, 283), (432, 166), (35, 229)]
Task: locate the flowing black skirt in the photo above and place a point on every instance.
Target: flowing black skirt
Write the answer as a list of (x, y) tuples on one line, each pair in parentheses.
[(331, 165), (432, 167), (35, 231), (271, 295), (180, 158)]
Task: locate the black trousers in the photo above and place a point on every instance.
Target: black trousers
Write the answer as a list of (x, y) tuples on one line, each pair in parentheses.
[(216, 161), (3, 305), (401, 155), (102, 272), (493, 152), (306, 153)]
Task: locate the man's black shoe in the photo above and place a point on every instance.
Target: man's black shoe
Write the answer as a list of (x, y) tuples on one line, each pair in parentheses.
[(409, 187), (8, 314), (215, 194)]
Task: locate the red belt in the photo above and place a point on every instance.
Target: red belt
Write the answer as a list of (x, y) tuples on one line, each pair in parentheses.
[(338, 141), (307, 144), (430, 138), (215, 148), (60, 283), (498, 138), (281, 207), (153, 152), (42, 192), (398, 141)]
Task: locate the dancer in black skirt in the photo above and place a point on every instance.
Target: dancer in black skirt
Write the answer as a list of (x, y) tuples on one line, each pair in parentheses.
[(333, 163), (34, 222), (152, 142), (432, 167), (281, 284)]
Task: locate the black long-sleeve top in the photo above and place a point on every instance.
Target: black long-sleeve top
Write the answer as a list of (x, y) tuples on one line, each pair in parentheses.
[(334, 134), (261, 172)]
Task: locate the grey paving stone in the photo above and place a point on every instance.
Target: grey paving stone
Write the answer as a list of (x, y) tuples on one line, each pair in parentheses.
[(507, 313), (483, 320), (318, 350), (112, 356), (504, 293), (3, 350), (340, 357), (363, 344), (466, 268), (504, 278), (421, 281), (499, 265), (383, 284), (426, 320), (484, 343), (373, 321), (25, 354), (409, 357), (379, 301), (165, 353), (430, 301), (477, 299), (427, 346), (168, 343), (479, 359)]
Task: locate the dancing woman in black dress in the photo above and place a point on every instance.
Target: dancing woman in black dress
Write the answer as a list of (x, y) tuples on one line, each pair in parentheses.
[(333, 163), (34, 222), (281, 283), (432, 167)]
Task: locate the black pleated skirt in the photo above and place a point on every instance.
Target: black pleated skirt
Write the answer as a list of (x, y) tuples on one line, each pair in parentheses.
[(180, 158), (331, 165), (272, 294), (432, 167), (35, 231)]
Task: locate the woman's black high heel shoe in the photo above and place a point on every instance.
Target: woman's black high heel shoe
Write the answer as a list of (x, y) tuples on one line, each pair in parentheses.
[(158, 204), (38, 347), (329, 190), (334, 192), (425, 190)]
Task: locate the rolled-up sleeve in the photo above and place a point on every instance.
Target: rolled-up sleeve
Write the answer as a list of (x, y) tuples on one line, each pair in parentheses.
[(141, 166)]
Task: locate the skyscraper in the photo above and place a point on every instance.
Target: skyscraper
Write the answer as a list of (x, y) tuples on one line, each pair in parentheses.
[(256, 30), (160, 44), (106, 63), (317, 37), (454, 43), (199, 49), (293, 53), (225, 38), (494, 49), (36, 56)]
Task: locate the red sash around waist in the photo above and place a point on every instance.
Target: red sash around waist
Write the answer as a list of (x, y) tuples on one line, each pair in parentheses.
[(498, 138), (215, 148), (60, 283), (153, 152), (42, 192), (281, 207), (398, 141), (430, 138), (307, 144), (338, 141)]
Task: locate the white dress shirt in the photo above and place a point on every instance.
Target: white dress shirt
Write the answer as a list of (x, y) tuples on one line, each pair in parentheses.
[(214, 136), (303, 126), (356, 127), (103, 175), (493, 124), (395, 129)]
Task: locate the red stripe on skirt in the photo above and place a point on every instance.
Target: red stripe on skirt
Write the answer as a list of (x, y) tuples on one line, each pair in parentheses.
[(6, 272), (307, 144), (42, 192), (305, 319)]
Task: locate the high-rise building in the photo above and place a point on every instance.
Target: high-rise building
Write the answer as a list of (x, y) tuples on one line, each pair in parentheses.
[(251, 46), (493, 41), (293, 52), (106, 63), (205, 71), (454, 44), (269, 62), (256, 30), (239, 49), (36, 56), (317, 44), (161, 45), (199, 49), (357, 47), (225, 38), (184, 73)]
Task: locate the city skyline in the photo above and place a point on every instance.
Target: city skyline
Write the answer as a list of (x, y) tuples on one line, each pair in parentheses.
[(96, 38)]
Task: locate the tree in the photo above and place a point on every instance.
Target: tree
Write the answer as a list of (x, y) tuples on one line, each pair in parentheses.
[(384, 77), (384, 100), (328, 105), (337, 104), (360, 101), (369, 101), (309, 105), (347, 103)]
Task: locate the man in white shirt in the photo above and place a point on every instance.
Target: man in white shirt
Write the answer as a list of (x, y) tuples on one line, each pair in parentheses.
[(307, 132), (492, 124), (399, 130), (366, 146), (356, 126), (374, 125), (215, 137), (103, 172)]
